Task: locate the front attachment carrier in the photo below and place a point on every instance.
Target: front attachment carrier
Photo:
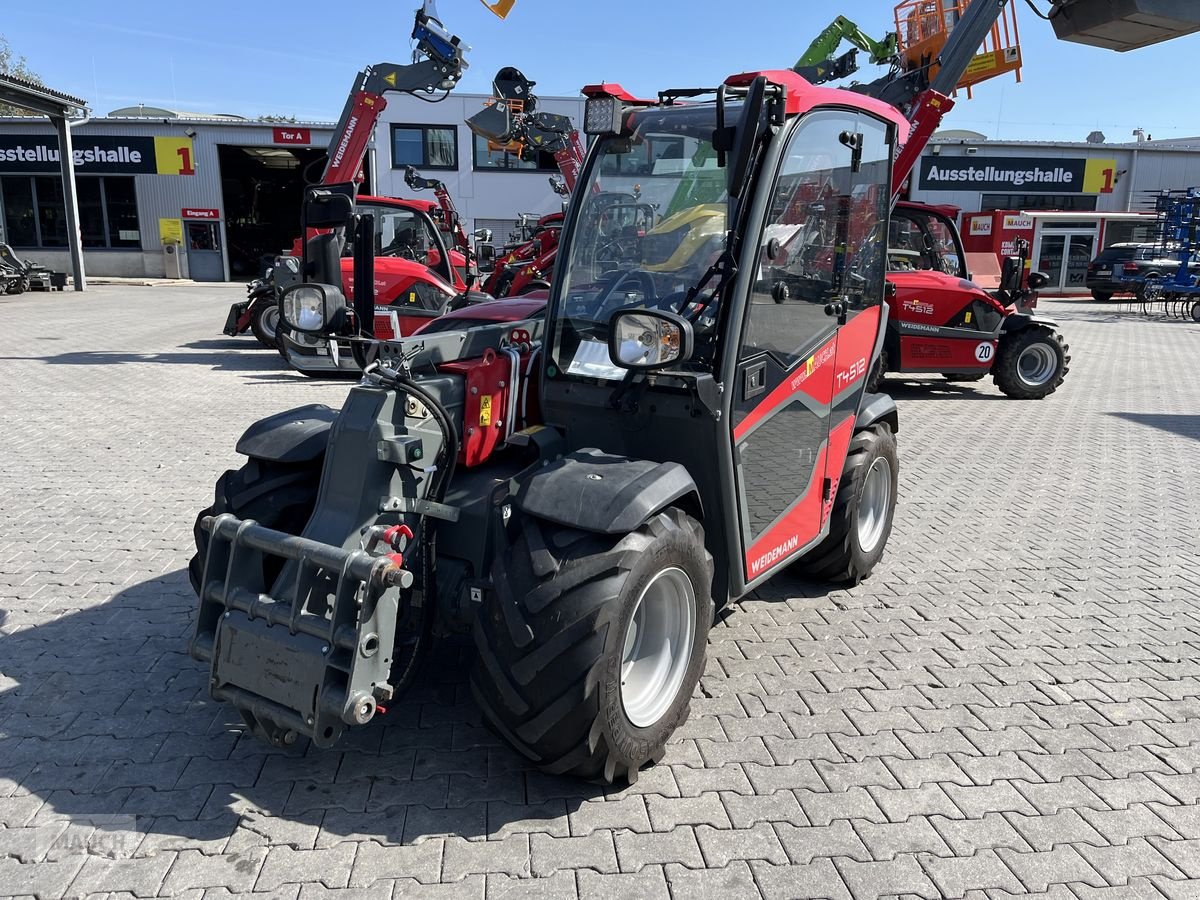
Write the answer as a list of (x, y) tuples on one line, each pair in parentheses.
[(310, 666)]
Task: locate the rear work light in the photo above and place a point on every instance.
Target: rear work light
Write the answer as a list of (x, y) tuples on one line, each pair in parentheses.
[(602, 115)]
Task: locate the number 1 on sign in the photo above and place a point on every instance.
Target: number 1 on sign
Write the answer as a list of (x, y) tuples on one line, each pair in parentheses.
[(185, 161)]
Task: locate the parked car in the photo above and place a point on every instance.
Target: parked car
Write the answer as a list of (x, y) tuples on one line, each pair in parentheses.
[(1129, 260)]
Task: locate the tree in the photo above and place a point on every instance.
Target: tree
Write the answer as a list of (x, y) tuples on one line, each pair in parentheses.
[(17, 67), (283, 120)]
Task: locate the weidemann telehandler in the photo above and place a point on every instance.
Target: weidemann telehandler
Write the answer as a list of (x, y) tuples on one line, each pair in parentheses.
[(579, 491)]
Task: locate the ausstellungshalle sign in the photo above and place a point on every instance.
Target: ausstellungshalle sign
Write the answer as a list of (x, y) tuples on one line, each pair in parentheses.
[(1025, 174), (100, 154)]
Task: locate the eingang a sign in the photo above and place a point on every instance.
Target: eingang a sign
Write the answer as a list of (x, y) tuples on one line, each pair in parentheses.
[(1017, 174)]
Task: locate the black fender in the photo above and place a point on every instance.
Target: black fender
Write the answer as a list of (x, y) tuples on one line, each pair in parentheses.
[(606, 494), (293, 436), (1019, 321), (877, 408)]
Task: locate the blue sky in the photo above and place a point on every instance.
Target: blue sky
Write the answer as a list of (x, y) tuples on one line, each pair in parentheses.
[(299, 58)]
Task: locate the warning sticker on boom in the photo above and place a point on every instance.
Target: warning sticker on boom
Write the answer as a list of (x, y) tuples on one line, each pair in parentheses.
[(485, 410)]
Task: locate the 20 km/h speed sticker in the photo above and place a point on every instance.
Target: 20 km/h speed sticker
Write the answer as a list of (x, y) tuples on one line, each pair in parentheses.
[(984, 351)]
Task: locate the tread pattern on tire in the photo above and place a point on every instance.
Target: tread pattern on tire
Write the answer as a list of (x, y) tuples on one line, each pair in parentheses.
[(276, 495), (1005, 369), (833, 559), (541, 640)]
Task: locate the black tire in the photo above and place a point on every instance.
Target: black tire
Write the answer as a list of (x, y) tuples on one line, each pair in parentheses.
[(841, 557), (277, 495), (958, 376), (1006, 371), (533, 286), (1102, 296), (261, 324), (551, 636), (878, 371)]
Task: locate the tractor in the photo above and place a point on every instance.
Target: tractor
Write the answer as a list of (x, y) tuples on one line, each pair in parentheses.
[(579, 485)]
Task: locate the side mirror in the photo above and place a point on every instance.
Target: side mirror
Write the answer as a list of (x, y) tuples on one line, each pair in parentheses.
[(1038, 280), (485, 253), (313, 308), (327, 209), (749, 130), (1011, 274), (648, 339)]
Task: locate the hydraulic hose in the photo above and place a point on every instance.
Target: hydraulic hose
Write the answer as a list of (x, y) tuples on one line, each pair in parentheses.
[(428, 532)]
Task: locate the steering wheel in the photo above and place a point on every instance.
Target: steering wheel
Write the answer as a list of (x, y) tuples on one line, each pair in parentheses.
[(646, 283)]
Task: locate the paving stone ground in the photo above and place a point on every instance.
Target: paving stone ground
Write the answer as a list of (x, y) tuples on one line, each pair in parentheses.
[(1009, 707)]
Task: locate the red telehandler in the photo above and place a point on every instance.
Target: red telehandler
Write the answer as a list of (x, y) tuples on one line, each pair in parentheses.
[(580, 491), (424, 263)]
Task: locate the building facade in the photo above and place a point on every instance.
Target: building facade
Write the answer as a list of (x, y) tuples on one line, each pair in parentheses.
[(490, 188), (1067, 200), (160, 194)]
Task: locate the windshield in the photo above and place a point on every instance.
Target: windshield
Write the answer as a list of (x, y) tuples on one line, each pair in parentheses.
[(652, 221)]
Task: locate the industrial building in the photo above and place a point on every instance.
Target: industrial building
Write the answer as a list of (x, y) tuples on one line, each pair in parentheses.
[(1069, 200), (161, 193)]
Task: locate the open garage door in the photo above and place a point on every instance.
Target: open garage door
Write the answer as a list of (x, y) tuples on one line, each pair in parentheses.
[(262, 188)]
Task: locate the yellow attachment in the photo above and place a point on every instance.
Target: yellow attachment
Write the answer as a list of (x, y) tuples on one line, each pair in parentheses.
[(924, 26), (500, 8), (703, 223)]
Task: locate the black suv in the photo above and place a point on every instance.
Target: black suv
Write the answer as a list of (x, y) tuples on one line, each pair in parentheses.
[(1104, 273)]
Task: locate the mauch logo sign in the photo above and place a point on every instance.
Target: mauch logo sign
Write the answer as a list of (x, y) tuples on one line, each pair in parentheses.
[(96, 154), (1028, 175)]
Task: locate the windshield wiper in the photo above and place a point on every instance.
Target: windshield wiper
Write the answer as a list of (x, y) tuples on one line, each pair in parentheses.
[(725, 266)]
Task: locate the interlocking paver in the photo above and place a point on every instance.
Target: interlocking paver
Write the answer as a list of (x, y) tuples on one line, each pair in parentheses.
[(818, 880), (1016, 690), (982, 871)]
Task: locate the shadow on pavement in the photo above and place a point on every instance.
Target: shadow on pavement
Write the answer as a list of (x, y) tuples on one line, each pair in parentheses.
[(258, 361), (914, 389), (1187, 425), (106, 718)]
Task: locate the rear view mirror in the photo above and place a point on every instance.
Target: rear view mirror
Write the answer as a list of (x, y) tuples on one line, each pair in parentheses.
[(328, 208), (749, 130), (485, 253), (1038, 280), (648, 339), (1011, 274)]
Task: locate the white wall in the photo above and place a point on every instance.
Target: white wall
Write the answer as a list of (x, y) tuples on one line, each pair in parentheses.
[(483, 194)]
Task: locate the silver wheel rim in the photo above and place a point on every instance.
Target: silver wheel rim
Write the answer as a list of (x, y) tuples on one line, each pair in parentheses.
[(873, 504), (657, 647), (269, 320), (1037, 364)]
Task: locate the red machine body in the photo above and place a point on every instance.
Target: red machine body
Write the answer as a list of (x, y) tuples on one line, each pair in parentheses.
[(501, 388), (938, 319), (529, 265)]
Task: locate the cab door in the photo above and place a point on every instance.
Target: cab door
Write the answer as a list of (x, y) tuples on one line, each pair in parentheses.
[(820, 261)]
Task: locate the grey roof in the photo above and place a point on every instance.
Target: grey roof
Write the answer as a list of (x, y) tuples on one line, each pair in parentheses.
[(39, 98)]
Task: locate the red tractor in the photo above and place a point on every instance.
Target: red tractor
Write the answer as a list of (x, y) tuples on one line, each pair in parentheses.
[(939, 321)]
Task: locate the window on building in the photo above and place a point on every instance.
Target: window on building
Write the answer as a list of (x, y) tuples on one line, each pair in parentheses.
[(1128, 232), (425, 146), (491, 160), (35, 215), (1081, 202)]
